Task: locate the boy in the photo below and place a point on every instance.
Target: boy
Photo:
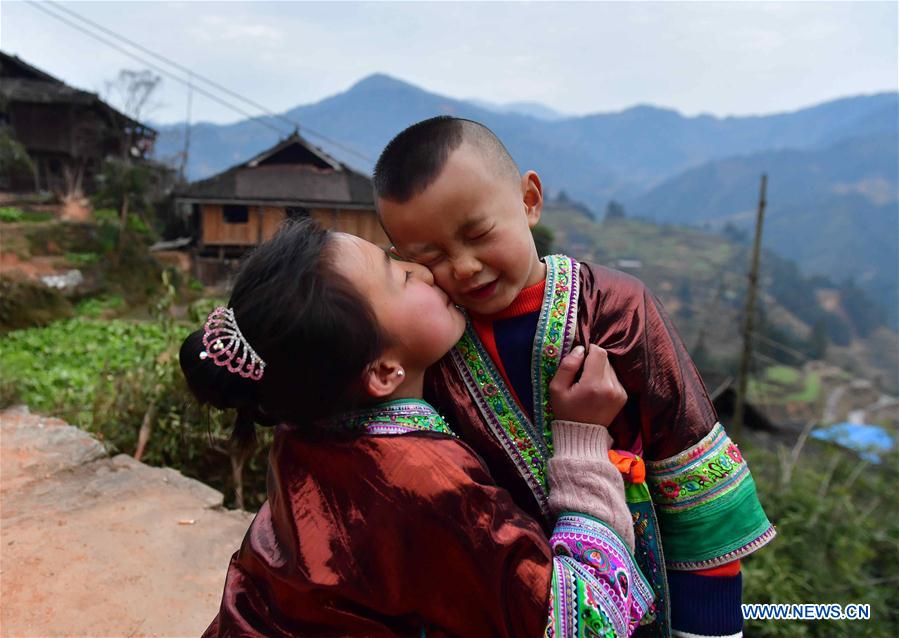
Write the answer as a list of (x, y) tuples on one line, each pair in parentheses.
[(451, 198)]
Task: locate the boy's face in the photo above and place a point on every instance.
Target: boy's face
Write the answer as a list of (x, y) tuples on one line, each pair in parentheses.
[(471, 228)]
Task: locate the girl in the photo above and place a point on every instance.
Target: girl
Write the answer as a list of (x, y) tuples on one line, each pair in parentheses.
[(380, 522)]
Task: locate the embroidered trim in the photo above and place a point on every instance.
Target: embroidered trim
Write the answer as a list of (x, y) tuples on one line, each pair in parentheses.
[(554, 334), (753, 545), (709, 512), (707, 471), (592, 556), (509, 424), (527, 443), (650, 558), (695, 450), (396, 417)]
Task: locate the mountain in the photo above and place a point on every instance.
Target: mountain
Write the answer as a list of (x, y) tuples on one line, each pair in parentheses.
[(700, 276), (366, 116), (531, 109), (832, 167), (593, 158), (835, 210)]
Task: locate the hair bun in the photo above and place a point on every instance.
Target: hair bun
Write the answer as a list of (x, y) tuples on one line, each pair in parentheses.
[(212, 384)]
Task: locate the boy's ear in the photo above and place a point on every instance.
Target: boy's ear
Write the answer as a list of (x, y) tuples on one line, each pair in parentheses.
[(382, 378), (532, 194)]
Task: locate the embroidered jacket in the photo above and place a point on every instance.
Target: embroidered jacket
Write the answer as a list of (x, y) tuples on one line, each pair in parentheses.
[(698, 508), (398, 529)]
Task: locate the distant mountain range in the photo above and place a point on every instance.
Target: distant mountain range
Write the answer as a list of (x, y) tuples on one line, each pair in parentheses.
[(832, 168), (833, 210), (532, 109)]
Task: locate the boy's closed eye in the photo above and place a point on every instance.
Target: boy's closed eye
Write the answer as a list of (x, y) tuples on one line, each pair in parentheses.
[(479, 234)]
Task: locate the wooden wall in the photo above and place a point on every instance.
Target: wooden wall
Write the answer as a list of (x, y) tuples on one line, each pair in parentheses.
[(263, 222), (362, 223)]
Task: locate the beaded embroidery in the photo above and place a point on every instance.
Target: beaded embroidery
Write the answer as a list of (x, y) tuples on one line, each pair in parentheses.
[(554, 334), (395, 417), (597, 589), (650, 558), (528, 444)]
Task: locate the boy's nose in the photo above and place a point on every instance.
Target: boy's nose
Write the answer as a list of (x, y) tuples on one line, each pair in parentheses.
[(465, 267)]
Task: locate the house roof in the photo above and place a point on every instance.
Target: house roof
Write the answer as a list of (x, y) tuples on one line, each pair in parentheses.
[(22, 82), (293, 170), (12, 66)]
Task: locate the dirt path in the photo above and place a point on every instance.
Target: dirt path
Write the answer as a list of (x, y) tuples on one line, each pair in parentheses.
[(98, 546)]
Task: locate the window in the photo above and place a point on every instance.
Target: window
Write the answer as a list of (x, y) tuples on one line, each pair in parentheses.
[(235, 214)]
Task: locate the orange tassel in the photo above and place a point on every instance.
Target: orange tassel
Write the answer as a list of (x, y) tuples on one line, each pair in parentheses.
[(630, 465)]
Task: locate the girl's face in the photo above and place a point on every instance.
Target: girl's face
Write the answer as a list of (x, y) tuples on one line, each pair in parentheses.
[(418, 318)]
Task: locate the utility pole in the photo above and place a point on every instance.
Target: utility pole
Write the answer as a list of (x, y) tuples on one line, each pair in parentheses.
[(743, 378), (182, 171)]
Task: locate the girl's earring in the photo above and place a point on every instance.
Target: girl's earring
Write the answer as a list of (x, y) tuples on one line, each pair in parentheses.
[(400, 373)]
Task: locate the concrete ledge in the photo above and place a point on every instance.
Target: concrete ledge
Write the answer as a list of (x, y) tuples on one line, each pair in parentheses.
[(99, 546)]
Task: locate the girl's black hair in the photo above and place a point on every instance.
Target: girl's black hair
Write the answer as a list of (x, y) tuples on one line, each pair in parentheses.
[(314, 331)]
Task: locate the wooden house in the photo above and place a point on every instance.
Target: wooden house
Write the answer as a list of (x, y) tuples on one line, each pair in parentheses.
[(66, 131), (245, 205)]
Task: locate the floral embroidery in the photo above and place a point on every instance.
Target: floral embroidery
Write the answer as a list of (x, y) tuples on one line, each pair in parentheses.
[(708, 509), (669, 488), (597, 589), (395, 417), (711, 470), (528, 444), (554, 334)]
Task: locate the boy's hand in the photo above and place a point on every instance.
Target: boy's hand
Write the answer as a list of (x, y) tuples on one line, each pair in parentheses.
[(597, 397)]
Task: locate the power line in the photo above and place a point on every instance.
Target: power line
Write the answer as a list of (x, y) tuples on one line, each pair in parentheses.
[(159, 69), (194, 74), (216, 85), (169, 61)]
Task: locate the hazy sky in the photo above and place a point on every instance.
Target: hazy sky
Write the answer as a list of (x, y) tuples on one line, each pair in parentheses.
[(724, 58)]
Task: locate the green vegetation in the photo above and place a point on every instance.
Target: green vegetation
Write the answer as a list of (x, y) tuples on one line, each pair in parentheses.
[(781, 385), (837, 520), (115, 377), (59, 369), (810, 392), (96, 307), (11, 214), (82, 259), (543, 240), (783, 375)]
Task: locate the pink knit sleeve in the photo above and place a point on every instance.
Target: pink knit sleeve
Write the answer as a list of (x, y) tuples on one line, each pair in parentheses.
[(583, 480)]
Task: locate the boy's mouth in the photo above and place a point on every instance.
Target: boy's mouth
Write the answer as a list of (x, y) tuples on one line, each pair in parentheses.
[(482, 292)]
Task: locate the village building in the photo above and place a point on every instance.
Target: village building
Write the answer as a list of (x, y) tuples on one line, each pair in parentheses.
[(243, 206), (67, 132)]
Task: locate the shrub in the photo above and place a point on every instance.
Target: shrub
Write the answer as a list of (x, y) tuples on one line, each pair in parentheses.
[(111, 377), (10, 214), (837, 518)]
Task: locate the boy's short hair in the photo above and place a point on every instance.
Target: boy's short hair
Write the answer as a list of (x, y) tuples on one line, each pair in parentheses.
[(414, 158)]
